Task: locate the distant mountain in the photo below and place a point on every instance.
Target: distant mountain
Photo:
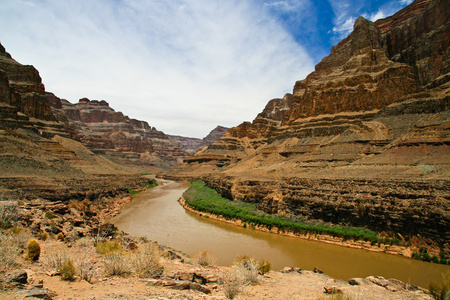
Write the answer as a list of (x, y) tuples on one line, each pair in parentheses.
[(193, 145)]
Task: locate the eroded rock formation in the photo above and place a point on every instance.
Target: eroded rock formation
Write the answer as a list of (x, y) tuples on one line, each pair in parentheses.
[(363, 140), (115, 135)]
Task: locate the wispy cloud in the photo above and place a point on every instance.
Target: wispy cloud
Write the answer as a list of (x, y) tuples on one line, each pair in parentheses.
[(347, 11), (183, 66)]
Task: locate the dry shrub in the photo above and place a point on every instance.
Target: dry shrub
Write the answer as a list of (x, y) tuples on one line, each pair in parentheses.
[(55, 258), (243, 271), (85, 264), (146, 261), (9, 253), (204, 258), (68, 271), (248, 268), (115, 263), (8, 213), (43, 236), (33, 250)]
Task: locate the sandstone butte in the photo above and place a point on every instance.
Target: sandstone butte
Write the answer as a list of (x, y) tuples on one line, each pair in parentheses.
[(362, 141)]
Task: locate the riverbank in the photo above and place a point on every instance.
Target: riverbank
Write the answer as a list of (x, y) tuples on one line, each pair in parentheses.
[(179, 277), (324, 238)]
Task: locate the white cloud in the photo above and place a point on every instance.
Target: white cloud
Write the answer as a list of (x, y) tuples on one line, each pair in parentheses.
[(406, 2), (183, 66)]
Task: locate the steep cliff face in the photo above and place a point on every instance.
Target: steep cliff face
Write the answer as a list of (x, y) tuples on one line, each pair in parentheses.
[(22, 99), (363, 141), (115, 135)]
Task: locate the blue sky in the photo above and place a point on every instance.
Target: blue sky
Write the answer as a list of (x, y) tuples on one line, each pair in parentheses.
[(184, 66)]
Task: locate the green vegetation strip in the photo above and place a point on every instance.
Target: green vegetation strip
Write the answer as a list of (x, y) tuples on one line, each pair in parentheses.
[(149, 186), (205, 199)]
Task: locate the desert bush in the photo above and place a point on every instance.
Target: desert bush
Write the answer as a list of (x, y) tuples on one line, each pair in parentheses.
[(204, 258), (248, 268), (85, 265), (146, 261), (68, 271), (56, 257), (9, 253), (108, 247), (33, 250), (115, 263), (264, 266), (8, 213), (42, 236), (232, 284), (441, 290)]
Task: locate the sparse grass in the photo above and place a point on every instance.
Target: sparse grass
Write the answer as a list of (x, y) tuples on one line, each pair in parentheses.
[(264, 266), (205, 199), (152, 184), (56, 257), (204, 258)]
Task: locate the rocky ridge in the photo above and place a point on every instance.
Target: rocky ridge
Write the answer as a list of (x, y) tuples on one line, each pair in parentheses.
[(193, 145), (363, 140)]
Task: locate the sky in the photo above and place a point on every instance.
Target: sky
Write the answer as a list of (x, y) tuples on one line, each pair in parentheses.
[(184, 66)]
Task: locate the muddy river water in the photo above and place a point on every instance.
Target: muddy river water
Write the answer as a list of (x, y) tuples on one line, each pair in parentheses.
[(157, 215)]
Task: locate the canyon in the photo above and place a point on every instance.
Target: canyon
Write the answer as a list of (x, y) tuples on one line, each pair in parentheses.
[(361, 141)]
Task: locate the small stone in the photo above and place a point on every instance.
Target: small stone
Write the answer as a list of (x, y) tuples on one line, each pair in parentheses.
[(316, 270), (287, 270), (332, 290), (19, 276)]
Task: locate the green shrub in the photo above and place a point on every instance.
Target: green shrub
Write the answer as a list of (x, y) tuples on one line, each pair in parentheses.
[(49, 215), (33, 250), (441, 290), (264, 266), (205, 199), (68, 271), (108, 247)]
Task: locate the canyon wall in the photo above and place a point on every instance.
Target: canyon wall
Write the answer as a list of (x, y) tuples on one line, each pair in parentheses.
[(362, 141)]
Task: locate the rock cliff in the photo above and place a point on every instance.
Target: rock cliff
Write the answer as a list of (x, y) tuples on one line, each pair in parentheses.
[(116, 136), (193, 145), (363, 140)]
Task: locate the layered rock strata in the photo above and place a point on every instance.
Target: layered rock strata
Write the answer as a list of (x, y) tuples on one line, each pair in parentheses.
[(193, 145), (116, 136), (363, 140)]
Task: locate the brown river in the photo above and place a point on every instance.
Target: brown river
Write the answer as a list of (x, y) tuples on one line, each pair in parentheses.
[(157, 215)]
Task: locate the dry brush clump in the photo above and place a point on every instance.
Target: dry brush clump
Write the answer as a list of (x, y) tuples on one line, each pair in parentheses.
[(243, 271), (9, 212), (146, 261), (204, 258), (9, 253), (116, 263)]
